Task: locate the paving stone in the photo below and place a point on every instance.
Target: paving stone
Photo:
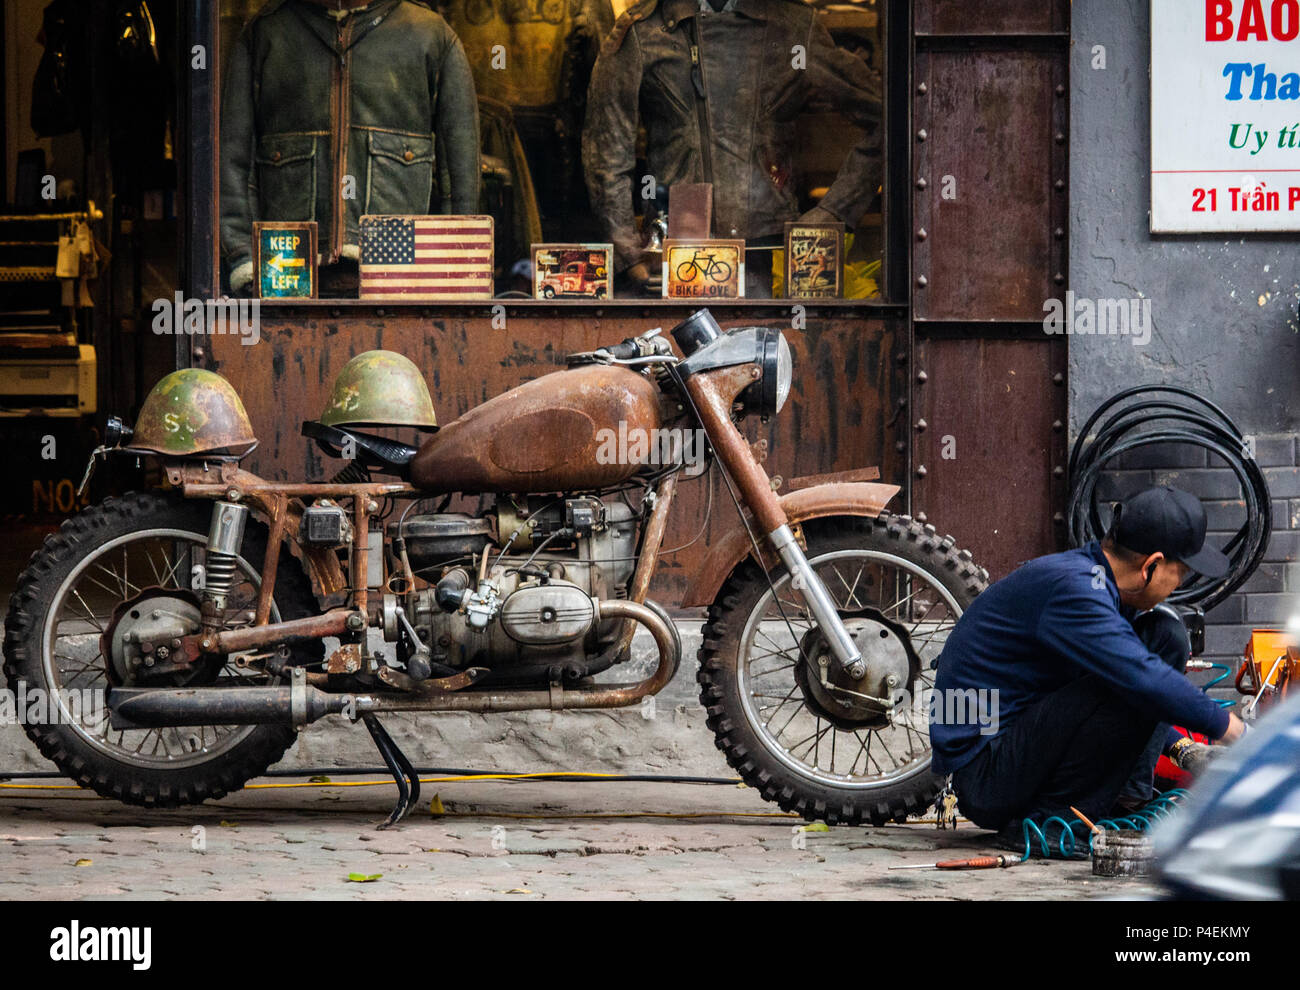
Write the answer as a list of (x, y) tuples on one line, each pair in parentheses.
[(303, 843)]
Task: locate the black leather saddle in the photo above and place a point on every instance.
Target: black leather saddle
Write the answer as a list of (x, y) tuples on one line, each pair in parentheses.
[(374, 453)]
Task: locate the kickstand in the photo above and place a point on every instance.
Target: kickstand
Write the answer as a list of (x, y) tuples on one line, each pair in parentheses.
[(400, 767)]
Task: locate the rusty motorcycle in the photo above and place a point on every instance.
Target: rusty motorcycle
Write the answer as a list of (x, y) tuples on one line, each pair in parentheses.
[(505, 564)]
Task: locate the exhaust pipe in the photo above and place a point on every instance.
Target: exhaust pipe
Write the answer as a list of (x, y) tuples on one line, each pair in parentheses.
[(294, 704), (298, 703)]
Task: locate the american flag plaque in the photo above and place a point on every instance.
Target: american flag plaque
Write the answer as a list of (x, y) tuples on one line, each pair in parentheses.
[(427, 257)]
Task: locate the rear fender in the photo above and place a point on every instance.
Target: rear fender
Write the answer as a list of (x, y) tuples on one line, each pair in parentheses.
[(860, 499)]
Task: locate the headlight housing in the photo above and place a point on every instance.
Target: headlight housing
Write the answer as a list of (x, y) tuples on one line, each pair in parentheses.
[(767, 395), (708, 349)]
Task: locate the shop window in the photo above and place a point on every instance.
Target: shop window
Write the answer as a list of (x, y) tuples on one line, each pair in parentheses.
[(596, 135)]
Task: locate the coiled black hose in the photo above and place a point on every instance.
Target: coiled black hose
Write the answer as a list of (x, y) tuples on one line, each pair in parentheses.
[(1161, 414)]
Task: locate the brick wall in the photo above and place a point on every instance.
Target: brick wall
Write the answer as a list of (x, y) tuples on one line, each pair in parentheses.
[(1273, 590)]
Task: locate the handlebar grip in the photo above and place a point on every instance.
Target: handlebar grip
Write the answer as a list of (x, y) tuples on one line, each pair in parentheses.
[(626, 350)]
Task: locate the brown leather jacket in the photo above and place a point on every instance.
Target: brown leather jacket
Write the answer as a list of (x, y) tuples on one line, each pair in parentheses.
[(751, 91)]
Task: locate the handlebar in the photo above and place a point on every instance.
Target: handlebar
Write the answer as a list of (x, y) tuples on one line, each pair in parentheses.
[(630, 348)]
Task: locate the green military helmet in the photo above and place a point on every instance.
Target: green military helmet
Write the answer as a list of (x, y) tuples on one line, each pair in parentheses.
[(193, 411), (380, 388)]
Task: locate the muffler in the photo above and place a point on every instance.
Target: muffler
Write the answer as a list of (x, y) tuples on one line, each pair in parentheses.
[(296, 703)]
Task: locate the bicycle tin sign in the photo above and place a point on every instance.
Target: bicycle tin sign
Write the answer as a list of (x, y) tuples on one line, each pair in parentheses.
[(704, 269)]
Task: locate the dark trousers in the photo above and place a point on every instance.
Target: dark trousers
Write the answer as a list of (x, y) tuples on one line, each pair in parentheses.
[(1082, 745)]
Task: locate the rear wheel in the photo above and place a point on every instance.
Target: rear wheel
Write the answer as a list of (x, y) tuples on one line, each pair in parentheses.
[(825, 752), (109, 573)]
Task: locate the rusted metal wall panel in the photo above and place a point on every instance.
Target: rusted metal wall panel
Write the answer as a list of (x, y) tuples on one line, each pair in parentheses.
[(989, 183), (989, 247), (990, 16), (989, 444), (849, 376)]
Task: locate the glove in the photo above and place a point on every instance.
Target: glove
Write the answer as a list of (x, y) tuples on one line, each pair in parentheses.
[(1192, 756)]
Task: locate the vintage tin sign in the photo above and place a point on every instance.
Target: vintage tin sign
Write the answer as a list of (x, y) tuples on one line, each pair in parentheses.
[(572, 271), (284, 258), (814, 260), (426, 257), (704, 269)]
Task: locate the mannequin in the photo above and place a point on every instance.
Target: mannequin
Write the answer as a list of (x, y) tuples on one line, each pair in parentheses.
[(336, 108), (730, 121)]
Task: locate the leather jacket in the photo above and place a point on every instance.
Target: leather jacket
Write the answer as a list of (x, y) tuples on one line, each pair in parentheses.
[(328, 117), (744, 100)]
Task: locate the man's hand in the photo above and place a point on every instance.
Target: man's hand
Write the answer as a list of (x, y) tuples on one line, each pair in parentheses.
[(1236, 729)]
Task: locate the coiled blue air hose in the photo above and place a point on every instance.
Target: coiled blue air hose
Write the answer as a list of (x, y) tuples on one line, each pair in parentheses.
[(1064, 847)]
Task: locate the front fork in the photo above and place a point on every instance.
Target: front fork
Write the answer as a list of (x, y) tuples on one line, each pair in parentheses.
[(812, 589), (713, 393)]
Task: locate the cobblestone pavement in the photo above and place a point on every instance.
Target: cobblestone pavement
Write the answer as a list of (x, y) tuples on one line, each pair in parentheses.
[(498, 840)]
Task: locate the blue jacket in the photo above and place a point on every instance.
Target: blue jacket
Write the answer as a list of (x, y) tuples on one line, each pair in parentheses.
[(1053, 620)]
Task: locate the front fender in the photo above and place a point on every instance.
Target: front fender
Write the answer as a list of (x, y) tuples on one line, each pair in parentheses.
[(843, 499)]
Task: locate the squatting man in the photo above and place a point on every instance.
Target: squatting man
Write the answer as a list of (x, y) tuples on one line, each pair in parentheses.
[(1087, 671)]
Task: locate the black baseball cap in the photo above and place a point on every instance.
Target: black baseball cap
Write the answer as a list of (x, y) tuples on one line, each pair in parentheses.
[(1169, 521)]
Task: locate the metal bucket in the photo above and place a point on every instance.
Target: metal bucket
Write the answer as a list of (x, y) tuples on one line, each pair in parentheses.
[(1126, 853)]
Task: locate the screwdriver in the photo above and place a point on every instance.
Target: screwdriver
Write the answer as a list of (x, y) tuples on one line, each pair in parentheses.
[(975, 863)]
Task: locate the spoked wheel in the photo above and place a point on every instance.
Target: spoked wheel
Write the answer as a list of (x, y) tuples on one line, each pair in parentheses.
[(103, 603), (806, 736)]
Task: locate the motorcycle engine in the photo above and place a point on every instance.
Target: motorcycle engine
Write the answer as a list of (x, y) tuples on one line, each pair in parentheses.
[(529, 614)]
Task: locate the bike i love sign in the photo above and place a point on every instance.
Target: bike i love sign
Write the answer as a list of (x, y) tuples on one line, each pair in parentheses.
[(1225, 115)]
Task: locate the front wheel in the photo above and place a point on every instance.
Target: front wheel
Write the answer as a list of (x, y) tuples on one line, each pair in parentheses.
[(112, 575), (825, 751)]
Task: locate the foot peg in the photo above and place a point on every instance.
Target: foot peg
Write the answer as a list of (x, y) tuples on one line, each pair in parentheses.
[(408, 782)]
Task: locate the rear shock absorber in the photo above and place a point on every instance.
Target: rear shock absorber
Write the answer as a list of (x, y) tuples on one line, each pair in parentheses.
[(225, 538)]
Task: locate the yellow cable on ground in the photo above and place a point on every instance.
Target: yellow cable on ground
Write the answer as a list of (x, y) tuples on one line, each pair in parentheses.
[(469, 778)]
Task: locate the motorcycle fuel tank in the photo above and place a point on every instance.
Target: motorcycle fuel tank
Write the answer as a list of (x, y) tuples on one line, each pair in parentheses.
[(559, 432)]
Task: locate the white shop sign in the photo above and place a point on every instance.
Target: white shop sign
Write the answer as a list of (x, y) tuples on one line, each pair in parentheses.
[(1225, 115)]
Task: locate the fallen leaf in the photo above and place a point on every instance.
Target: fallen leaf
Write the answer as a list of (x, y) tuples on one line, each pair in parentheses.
[(435, 807), (321, 779), (225, 824), (816, 827), (517, 890), (83, 862), (363, 878)]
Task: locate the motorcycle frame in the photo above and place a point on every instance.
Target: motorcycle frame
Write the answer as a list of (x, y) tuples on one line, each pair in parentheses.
[(277, 503), (346, 601)]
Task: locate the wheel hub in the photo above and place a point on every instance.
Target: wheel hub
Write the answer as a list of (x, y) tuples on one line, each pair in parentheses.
[(142, 641), (848, 703)]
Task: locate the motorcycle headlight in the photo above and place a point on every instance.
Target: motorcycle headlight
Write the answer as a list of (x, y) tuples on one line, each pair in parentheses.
[(767, 395), (764, 346), (784, 372)]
